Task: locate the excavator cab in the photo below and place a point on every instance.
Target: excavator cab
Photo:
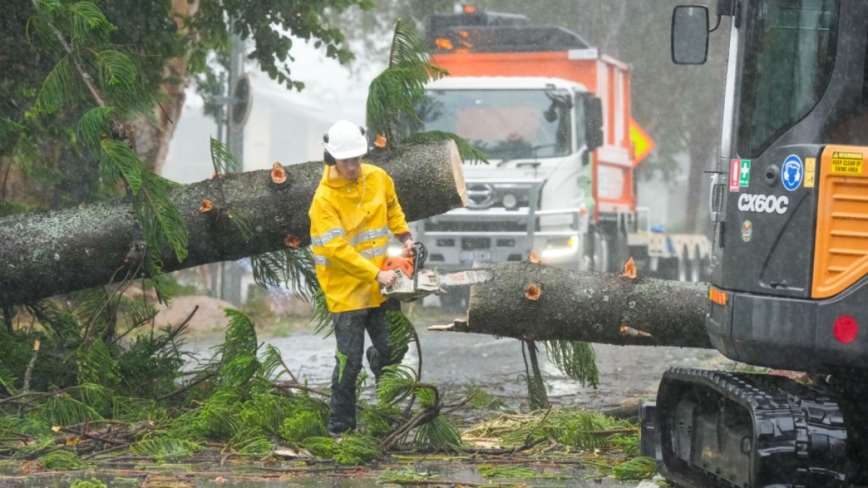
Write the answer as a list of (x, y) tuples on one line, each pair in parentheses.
[(789, 286)]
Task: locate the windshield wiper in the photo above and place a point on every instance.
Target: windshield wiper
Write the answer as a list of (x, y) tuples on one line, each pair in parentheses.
[(533, 149)]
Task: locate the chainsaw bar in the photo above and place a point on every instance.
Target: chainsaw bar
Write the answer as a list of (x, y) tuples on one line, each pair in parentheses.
[(464, 278)]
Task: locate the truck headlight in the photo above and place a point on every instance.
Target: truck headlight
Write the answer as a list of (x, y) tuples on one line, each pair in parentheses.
[(559, 248), (510, 201)]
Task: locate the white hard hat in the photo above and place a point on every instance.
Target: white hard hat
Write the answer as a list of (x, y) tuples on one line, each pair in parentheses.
[(345, 140)]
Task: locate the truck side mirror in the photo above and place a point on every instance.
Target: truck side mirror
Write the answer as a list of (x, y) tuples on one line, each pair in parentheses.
[(690, 34), (593, 109)]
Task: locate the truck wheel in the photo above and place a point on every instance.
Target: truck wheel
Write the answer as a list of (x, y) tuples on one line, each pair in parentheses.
[(600, 251), (620, 251)]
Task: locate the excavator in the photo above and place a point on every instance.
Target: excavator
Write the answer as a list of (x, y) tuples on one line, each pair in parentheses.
[(789, 284)]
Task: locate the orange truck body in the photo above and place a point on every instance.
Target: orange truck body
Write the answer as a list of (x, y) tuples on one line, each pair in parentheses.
[(607, 78)]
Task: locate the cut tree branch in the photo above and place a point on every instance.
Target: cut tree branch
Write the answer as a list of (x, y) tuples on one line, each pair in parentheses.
[(584, 306), (50, 253)]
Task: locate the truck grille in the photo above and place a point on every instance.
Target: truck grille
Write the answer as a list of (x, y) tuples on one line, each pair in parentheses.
[(471, 243), (475, 226)]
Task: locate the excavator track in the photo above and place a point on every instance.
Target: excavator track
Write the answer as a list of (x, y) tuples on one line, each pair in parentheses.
[(722, 429)]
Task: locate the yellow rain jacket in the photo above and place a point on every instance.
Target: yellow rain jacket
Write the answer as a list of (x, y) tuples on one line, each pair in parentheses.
[(350, 223)]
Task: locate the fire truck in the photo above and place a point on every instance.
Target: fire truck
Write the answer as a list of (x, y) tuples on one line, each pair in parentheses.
[(553, 115)]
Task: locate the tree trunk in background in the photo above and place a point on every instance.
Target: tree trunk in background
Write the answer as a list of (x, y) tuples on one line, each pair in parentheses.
[(154, 134), (56, 252), (589, 307)]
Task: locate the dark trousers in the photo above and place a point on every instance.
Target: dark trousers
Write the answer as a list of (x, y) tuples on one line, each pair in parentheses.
[(350, 335)]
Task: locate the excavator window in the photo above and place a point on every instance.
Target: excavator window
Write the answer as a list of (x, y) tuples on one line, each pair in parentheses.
[(789, 55)]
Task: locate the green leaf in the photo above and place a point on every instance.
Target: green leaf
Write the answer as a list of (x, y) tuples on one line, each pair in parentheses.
[(87, 19), (94, 125), (222, 159), (58, 87), (161, 221), (126, 162), (116, 68)]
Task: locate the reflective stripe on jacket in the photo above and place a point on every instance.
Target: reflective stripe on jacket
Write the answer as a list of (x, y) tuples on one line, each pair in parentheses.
[(350, 223)]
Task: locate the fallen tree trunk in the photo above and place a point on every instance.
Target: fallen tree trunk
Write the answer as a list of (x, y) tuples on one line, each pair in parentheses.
[(57, 252), (537, 302)]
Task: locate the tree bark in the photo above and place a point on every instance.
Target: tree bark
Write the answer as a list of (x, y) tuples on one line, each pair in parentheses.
[(584, 306), (57, 252)]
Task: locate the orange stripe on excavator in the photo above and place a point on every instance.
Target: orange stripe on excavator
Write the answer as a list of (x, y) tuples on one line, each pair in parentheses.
[(841, 248)]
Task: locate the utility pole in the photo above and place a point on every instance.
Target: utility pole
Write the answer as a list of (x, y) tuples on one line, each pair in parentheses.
[(230, 282)]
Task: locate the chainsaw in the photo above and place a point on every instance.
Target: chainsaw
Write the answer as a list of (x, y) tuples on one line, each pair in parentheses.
[(415, 281)]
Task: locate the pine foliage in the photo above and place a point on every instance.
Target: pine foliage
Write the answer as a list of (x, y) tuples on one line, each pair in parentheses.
[(576, 360), (394, 94)]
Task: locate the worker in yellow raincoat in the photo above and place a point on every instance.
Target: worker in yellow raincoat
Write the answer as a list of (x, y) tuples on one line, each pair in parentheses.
[(354, 211)]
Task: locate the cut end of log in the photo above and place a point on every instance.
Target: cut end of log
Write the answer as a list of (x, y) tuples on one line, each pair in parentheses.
[(629, 270), (534, 258), (532, 292), (292, 241), (458, 172), (380, 141), (206, 206), (278, 175)]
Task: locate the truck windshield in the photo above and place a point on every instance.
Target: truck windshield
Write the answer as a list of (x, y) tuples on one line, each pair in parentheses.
[(506, 124), (789, 53)]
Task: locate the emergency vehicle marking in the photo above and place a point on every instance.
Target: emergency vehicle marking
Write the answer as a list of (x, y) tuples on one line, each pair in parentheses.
[(792, 172), (734, 168), (763, 203), (847, 163), (744, 173)]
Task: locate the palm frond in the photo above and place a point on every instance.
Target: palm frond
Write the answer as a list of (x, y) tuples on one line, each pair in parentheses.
[(576, 360)]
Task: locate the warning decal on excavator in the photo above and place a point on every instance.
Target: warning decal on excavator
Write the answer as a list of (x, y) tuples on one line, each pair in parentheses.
[(847, 163)]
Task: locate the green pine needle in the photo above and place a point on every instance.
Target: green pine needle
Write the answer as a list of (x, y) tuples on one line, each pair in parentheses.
[(356, 449), (636, 469), (61, 461), (439, 433), (468, 153), (576, 360), (116, 68), (401, 332)]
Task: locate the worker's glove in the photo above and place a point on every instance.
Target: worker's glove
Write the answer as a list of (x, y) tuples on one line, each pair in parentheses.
[(409, 249)]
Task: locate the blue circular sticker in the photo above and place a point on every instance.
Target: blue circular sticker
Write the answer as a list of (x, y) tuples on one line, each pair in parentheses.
[(792, 172)]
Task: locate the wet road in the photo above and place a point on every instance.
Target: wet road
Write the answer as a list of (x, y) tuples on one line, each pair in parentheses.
[(455, 361)]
